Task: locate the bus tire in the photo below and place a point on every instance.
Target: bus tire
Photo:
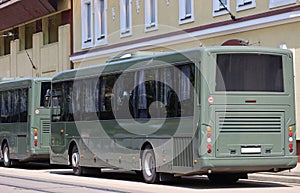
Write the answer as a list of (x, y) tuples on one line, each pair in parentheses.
[(149, 166), (6, 155), (75, 159)]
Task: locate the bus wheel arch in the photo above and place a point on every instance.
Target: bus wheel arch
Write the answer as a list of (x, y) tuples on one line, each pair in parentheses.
[(72, 144), (147, 144), (148, 163), (4, 141), (74, 159)]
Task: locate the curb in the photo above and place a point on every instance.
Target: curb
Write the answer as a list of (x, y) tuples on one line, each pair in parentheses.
[(274, 178)]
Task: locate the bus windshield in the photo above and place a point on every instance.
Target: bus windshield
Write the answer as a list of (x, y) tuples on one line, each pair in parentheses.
[(249, 72)]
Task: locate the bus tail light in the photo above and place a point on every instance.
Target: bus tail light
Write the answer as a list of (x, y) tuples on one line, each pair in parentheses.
[(35, 137), (35, 132), (291, 139), (208, 139)]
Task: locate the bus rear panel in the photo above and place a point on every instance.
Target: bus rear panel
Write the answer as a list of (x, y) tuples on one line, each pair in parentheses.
[(25, 120), (250, 126)]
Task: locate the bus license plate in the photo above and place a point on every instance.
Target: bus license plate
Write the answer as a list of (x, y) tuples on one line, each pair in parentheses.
[(249, 150)]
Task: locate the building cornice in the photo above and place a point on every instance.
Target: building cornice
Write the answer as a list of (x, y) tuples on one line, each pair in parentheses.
[(257, 21)]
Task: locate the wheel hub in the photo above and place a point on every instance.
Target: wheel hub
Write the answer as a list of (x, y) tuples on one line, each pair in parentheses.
[(6, 158), (149, 164), (75, 159)]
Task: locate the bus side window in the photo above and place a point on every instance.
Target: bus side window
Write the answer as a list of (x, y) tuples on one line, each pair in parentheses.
[(23, 104), (4, 111), (106, 97), (47, 98), (45, 94), (55, 104)]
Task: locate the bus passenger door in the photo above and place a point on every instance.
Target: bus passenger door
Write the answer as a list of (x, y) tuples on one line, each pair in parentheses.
[(57, 132)]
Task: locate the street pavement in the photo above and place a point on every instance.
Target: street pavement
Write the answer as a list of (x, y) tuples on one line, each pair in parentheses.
[(287, 176)]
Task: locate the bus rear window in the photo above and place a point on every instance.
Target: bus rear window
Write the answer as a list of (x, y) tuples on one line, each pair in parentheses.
[(249, 72)]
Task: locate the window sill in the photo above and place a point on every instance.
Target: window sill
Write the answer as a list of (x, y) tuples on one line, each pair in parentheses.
[(152, 27), (125, 33), (188, 19)]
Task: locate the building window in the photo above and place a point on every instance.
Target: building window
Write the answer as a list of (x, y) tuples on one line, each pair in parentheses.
[(150, 15), (50, 28), (186, 11), (5, 39), (87, 28), (94, 25), (278, 3), (100, 21), (125, 18), (30, 29), (219, 7), (245, 4)]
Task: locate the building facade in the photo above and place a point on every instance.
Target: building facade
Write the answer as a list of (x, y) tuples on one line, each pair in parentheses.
[(36, 42), (105, 28)]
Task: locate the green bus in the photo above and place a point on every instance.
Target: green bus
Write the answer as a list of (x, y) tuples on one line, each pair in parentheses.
[(219, 111), (25, 120)]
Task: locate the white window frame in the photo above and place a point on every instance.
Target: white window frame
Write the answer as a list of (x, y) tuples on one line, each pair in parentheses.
[(124, 30), (219, 9), (87, 41), (149, 24), (245, 4), (278, 3), (100, 28), (185, 17)]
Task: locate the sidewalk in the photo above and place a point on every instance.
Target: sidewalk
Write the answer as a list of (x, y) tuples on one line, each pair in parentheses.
[(289, 176)]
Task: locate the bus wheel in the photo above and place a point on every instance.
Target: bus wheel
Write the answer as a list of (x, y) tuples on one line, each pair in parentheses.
[(6, 156), (223, 178), (149, 166), (75, 159)]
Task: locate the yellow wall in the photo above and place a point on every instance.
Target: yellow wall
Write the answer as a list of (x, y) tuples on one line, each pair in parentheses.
[(49, 59), (258, 37), (167, 19), (4, 66)]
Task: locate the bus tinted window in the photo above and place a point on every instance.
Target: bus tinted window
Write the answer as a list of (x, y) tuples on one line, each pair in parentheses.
[(151, 93), (45, 94), (249, 72), (13, 105), (164, 92)]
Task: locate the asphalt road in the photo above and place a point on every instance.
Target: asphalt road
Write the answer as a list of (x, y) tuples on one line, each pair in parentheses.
[(41, 178)]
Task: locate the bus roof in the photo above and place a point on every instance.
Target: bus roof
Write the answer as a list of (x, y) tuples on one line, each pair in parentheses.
[(160, 58), (22, 82), (253, 49)]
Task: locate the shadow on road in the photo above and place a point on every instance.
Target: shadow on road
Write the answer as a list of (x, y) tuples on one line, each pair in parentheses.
[(35, 166), (192, 182)]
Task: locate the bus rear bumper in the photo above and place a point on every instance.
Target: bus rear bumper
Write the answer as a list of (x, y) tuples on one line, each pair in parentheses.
[(246, 165)]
